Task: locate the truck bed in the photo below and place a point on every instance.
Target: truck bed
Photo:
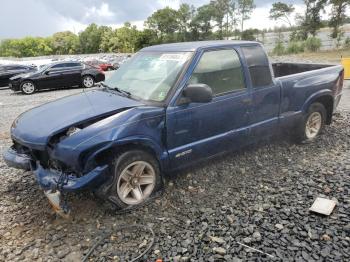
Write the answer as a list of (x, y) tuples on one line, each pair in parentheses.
[(285, 69)]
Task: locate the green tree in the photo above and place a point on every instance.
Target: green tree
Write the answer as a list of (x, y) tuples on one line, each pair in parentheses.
[(147, 37), (165, 22), (90, 39), (281, 11), (201, 23), (185, 15), (338, 17), (65, 43), (310, 22), (224, 15), (244, 10), (26, 47)]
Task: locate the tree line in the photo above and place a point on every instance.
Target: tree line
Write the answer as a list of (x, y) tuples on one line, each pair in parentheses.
[(219, 19)]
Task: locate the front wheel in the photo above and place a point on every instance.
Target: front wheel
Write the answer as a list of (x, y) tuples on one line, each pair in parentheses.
[(28, 88), (136, 176), (88, 81), (313, 123)]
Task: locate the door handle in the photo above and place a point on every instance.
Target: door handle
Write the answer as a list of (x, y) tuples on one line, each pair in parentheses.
[(247, 101)]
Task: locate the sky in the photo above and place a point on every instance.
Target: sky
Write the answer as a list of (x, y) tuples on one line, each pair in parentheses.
[(19, 18)]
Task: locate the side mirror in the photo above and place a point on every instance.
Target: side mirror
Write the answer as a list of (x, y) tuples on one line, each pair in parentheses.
[(47, 72), (198, 93)]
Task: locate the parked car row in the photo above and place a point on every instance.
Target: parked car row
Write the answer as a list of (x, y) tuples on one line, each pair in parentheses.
[(59, 72), (56, 75), (104, 66), (8, 71)]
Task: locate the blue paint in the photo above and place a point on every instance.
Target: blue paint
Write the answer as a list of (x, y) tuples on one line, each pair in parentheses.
[(177, 134)]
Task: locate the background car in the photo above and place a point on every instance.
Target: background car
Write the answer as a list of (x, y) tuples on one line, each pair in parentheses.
[(8, 71), (56, 75), (104, 66)]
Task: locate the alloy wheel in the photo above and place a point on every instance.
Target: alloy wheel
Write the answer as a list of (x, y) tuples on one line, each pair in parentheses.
[(136, 182), (28, 87), (88, 81), (313, 125)]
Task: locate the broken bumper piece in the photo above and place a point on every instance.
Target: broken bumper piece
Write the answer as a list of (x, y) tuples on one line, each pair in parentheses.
[(17, 160), (57, 203), (48, 179)]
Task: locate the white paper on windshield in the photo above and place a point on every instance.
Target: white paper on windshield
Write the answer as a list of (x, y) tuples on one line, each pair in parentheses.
[(173, 57)]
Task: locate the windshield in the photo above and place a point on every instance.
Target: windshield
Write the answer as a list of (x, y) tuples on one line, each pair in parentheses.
[(149, 75)]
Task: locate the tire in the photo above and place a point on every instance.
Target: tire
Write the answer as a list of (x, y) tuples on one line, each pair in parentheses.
[(28, 88), (312, 124), (88, 81), (127, 166)]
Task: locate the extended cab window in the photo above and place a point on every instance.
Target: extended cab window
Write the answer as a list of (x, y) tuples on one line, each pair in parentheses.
[(221, 70), (258, 64)]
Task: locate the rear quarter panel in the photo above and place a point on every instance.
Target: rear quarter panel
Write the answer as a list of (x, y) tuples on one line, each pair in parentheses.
[(300, 90)]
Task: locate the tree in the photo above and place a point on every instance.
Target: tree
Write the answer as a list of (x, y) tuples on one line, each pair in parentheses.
[(185, 15), (338, 16), (250, 34), (65, 43), (244, 10), (201, 23), (90, 39), (311, 21), (147, 37), (224, 15), (165, 22), (26, 47), (281, 11)]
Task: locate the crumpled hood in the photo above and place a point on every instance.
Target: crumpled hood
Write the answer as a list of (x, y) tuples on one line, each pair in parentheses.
[(36, 126)]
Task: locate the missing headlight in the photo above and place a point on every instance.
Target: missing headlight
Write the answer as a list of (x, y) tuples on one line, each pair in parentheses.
[(72, 130)]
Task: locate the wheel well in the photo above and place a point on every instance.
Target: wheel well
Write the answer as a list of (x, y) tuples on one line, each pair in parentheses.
[(327, 102), (26, 81), (106, 156)]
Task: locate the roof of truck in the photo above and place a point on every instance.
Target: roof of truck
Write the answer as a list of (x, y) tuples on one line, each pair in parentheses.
[(193, 46)]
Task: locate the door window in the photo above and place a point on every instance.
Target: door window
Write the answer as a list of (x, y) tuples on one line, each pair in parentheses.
[(221, 70), (258, 64), (73, 65), (58, 66)]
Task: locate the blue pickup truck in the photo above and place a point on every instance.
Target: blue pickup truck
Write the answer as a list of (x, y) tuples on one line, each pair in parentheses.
[(168, 107)]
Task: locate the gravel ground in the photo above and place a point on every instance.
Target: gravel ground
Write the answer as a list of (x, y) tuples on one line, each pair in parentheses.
[(258, 197)]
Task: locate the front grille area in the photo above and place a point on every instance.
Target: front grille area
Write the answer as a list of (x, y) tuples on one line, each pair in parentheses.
[(43, 157), (36, 155)]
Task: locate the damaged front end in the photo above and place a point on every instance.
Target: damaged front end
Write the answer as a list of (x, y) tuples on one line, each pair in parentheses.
[(54, 177), (70, 148)]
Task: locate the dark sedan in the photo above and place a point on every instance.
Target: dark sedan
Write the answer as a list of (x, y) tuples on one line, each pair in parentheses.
[(56, 75), (8, 71)]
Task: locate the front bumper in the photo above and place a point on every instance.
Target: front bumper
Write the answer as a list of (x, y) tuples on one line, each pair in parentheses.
[(48, 178), (14, 85), (17, 160)]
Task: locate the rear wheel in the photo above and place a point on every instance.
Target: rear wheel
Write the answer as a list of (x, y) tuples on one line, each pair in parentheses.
[(28, 87), (136, 176), (88, 81), (313, 123)]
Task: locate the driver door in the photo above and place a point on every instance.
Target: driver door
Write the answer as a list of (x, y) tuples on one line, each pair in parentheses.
[(52, 77), (200, 130)]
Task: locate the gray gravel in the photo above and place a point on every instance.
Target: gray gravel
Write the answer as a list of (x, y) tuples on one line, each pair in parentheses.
[(258, 197)]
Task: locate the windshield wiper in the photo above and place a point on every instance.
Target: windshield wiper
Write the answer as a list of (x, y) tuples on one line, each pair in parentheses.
[(126, 93)]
